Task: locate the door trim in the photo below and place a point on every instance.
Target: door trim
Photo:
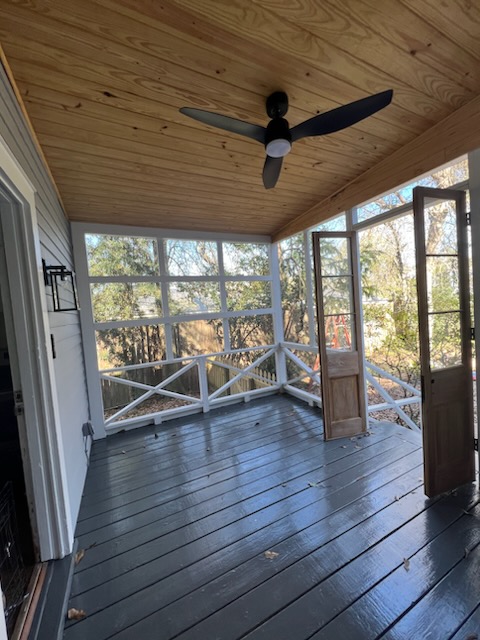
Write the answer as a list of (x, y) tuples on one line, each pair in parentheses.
[(45, 459)]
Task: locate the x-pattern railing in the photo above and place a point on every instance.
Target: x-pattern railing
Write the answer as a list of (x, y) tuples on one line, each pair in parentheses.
[(305, 375)]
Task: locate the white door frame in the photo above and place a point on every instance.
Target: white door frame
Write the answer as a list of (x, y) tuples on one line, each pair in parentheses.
[(48, 494)]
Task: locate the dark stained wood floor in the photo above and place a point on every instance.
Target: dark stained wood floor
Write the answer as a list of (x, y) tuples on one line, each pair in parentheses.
[(175, 528)]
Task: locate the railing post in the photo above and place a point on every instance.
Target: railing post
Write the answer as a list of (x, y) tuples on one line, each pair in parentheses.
[(203, 383)]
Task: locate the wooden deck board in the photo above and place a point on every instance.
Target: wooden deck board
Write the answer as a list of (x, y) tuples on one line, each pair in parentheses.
[(179, 524)]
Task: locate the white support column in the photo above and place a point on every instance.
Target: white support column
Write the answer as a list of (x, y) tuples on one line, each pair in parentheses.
[(350, 218), (167, 328), (223, 298), (88, 336), (203, 383), (280, 362), (474, 184)]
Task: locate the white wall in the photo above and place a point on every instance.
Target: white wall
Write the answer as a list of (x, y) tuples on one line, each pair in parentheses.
[(54, 231)]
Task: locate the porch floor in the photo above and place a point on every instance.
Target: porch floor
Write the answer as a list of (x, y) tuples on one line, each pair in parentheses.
[(178, 528)]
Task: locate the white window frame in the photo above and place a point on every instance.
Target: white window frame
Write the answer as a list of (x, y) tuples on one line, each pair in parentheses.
[(89, 326)]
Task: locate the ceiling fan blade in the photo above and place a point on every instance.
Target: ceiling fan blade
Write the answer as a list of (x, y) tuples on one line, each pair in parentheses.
[(271, 171), (342, 117), (254, 131)]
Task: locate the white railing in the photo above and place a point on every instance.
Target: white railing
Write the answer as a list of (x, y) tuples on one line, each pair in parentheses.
[(237, 384), (313, 375), (306, 375), (395, 404), (232, 382)]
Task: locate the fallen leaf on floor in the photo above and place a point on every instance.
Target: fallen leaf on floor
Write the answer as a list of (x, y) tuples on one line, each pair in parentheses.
[(156, 435), (79, 556), (406, 564), (357, 446), (208, 448), (397, 498), (270, 555), (284, 484), (256, 424), (344, 446), (94, 544), (313, 484), (353, 439), (467, 513), (472, 636), (123, 451), (76, 614)]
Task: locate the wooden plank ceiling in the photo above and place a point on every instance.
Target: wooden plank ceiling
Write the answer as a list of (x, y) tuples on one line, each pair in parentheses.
[(103, 80)]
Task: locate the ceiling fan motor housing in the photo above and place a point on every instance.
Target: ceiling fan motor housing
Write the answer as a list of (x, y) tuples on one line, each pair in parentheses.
[(278, 139)]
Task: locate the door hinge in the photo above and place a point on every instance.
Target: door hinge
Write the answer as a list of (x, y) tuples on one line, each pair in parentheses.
[(468, 218), (18, 406), (475, 444), (472, 333)]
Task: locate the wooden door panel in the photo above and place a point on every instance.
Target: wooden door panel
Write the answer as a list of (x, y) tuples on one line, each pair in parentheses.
[(344, 398), (445, 358), (342, 363)]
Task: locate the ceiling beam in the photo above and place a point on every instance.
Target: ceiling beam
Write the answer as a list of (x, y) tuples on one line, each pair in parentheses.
[(454, 136)]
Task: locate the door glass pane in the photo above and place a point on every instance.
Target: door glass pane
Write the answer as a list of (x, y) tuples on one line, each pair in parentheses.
[(441, 227), (445, 340), (339, 332), (337, 295), (443, 287), (335, 256)]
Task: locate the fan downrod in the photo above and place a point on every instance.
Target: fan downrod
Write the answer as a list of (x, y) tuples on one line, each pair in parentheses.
[(277, 104)]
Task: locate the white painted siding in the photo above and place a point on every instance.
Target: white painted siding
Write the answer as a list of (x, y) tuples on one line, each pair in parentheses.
[(54, 230)]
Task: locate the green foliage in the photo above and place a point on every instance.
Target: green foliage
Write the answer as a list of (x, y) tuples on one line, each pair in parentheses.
[(292, 255), (193, 260), (121, 255)]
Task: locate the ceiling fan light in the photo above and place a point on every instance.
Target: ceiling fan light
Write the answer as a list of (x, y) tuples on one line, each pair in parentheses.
[(278, 148)]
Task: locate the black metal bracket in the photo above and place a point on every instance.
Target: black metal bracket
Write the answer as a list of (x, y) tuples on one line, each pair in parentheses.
[(52, 275), (475, 444)]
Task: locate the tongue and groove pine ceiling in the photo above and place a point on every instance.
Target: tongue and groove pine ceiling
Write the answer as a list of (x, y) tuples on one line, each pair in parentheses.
[(102, 82)]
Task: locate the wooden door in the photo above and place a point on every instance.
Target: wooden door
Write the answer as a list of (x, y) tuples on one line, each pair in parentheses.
[(339, 333), (445, 338)]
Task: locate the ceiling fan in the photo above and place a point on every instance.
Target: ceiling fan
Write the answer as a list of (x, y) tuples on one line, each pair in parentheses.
[(277, 137)]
